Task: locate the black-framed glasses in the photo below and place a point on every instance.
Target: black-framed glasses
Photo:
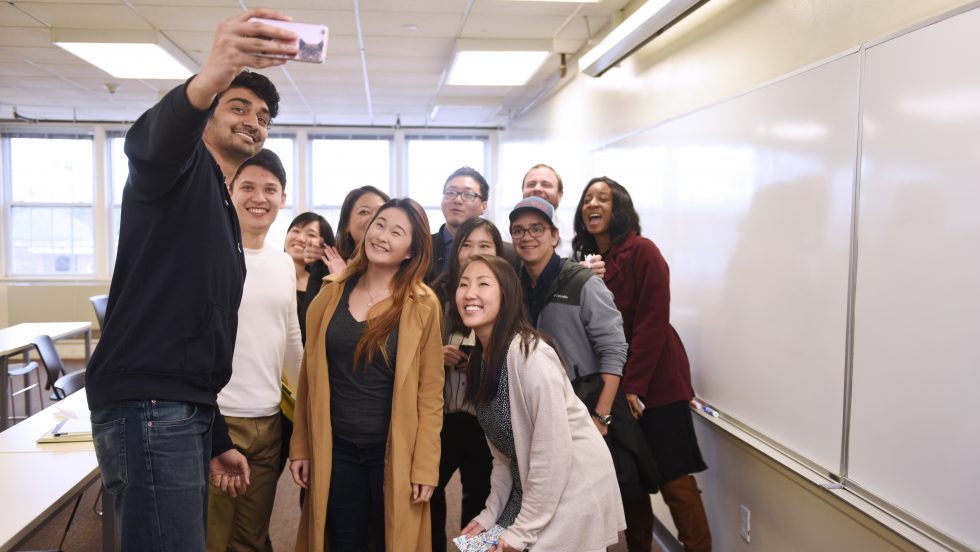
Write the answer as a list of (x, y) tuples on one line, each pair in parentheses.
[(467, 196), (536, 231)]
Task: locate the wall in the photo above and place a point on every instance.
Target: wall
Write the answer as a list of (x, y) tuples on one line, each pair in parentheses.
[(726, 49)]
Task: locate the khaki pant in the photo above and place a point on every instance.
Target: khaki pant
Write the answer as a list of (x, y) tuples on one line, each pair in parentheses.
[(243, 523)]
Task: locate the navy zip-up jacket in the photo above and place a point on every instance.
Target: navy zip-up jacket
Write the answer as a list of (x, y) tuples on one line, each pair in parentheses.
[(172, 315)]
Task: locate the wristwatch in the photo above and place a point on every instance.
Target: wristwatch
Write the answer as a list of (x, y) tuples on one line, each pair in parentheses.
[(604, 419)]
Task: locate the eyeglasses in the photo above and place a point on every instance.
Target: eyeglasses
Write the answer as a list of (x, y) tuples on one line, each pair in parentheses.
[(467, 196), (536, 231)]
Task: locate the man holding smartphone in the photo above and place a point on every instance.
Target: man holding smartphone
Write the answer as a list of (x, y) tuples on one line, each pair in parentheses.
[(171, 319)]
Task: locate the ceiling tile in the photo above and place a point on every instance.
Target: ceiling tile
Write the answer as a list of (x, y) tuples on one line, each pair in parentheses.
[(84, 15)]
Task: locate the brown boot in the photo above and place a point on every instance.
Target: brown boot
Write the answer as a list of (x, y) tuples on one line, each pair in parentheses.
[(639, 523), (683, 498)]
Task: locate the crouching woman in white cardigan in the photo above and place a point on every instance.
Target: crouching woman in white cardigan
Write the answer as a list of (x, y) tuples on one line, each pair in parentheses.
[(553, 485)]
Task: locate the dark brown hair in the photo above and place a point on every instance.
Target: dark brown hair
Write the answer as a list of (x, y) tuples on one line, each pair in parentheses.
[(302, 219), (345, 242), (445, 284), (511, 321)]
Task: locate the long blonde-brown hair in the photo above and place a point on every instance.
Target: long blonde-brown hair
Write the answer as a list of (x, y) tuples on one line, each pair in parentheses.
[(406, 280)]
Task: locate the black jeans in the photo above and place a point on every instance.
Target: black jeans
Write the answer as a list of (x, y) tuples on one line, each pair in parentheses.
[(356, 502), (464, 447)]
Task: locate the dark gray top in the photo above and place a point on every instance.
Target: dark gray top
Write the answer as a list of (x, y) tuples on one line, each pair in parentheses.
[(495, 420), (360, 397)]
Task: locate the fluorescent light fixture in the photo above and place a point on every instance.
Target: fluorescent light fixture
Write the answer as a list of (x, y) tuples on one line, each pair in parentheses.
[(127, 54), (496, 62), (648, 20)]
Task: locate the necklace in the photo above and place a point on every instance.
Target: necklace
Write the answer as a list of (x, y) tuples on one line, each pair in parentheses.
[(373, 298)]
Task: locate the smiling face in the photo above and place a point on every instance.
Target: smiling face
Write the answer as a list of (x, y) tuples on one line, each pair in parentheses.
[(534, 251), (258, 196), (388, 241), (239, 124), (478, 299), (477, 242), (298, 236), (364, 209), (543, 182), (597, 207), (458, 210)]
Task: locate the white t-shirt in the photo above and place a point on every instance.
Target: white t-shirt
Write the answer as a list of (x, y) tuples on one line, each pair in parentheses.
[(268, 342), (565, 233)]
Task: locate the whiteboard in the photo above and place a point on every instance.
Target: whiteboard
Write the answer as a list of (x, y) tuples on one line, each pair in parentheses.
[(750, 202), (915, 427)]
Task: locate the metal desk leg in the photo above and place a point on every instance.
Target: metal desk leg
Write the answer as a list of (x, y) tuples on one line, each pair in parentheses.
[(88, 346), (110, 532), (4, 392)]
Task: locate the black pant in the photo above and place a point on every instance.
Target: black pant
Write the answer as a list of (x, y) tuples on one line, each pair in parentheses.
[(464, 447), (356, 502)]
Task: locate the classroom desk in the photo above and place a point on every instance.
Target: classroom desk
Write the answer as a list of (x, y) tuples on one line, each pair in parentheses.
[(44, 478), (17, 339)]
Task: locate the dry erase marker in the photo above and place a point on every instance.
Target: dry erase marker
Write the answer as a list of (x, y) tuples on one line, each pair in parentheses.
[(710, 411), (57, 429)]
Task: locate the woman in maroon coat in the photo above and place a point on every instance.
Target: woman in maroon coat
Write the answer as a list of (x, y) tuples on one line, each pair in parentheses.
[(657, 376)]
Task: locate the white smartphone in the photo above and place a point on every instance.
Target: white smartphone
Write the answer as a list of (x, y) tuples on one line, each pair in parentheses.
[(311, 42)]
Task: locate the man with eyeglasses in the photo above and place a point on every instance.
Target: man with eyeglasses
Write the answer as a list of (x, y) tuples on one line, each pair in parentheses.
[(570, 304), (464, 196)]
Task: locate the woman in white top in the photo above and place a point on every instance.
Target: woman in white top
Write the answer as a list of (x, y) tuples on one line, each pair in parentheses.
[(553, 485)]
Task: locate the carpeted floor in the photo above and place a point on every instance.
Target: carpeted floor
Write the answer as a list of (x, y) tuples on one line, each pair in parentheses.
[(85, 534)]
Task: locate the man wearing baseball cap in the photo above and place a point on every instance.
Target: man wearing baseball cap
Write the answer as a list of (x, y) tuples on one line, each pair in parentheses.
[(570, 304)]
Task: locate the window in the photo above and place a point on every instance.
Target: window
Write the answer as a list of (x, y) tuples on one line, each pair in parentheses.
[(433, 158), (51, 191), (340, 164), (118, 173), (283, 146)]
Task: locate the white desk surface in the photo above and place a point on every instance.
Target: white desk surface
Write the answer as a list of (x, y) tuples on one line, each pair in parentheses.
[(16, 338), (23, 436), (36, 479), (37, 485)]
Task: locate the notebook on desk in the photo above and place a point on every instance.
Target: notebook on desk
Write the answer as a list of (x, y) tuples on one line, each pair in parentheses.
[(68, 431)]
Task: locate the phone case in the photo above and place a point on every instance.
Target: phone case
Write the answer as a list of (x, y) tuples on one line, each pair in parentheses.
[(311, 42)]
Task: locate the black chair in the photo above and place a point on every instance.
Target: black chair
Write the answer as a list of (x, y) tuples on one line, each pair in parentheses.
[(69, 383), (99, 303), (24, 371), (52, 364)]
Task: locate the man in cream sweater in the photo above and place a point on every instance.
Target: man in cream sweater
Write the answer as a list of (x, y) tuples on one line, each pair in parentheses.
[(268, 344)]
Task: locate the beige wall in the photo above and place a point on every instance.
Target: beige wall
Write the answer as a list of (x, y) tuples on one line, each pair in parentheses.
[(728, 47), (27, 301)]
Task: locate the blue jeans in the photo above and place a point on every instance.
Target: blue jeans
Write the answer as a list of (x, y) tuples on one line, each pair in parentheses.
[(155, 460), (355, 507)]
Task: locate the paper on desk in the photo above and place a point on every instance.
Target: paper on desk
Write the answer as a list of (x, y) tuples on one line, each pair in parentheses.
[(80, 412), (75, 425)]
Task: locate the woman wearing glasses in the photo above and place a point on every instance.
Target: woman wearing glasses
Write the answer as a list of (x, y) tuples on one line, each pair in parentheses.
[(369, 405)]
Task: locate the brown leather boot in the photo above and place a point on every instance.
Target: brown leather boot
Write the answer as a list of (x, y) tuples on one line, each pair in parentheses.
[(683, 498), (639, 524)]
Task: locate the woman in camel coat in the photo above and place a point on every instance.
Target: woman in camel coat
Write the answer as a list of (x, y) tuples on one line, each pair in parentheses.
[(382, 284)]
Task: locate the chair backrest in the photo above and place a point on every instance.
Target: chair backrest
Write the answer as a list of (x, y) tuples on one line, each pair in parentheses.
[(99, 302), (50, 357), (69, 383)]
